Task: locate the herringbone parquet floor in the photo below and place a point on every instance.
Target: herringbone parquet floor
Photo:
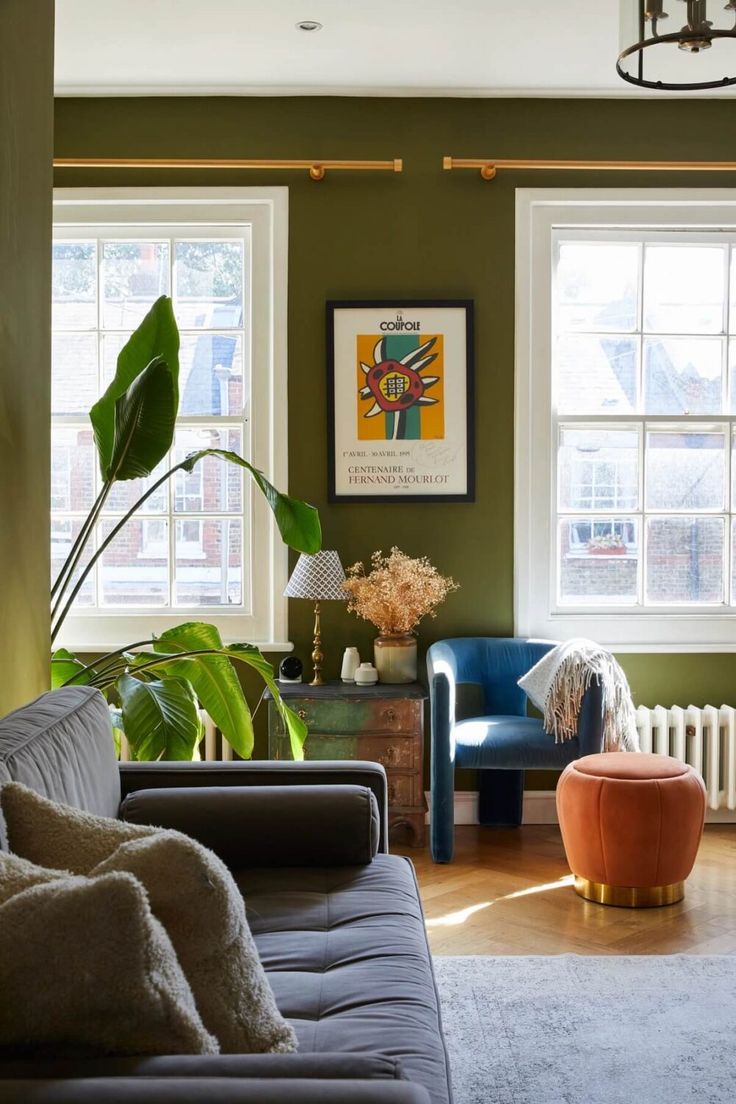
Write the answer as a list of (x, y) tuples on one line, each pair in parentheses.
[(508, 892)]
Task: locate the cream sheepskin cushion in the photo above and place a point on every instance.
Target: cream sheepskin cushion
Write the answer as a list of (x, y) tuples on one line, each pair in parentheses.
[(84, 963), (59, 836), (191, 892), (17, 874), (194, 896)]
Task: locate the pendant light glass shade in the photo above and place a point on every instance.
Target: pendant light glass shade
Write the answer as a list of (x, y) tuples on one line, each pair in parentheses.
[(678, 45)]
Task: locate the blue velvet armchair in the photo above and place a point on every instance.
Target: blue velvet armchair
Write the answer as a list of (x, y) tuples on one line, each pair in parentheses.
[(501, 742)]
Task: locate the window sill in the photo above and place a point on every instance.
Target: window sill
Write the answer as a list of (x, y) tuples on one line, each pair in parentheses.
[(86, 648), (671, 649)]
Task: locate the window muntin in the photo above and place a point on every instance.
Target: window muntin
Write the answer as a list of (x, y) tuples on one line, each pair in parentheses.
[(641, 352)]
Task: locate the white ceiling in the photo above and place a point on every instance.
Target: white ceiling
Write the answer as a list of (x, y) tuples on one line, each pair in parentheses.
[(366, 47)]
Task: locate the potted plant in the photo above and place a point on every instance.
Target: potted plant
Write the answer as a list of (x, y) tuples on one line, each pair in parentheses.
[(159, 683), (394, 595)]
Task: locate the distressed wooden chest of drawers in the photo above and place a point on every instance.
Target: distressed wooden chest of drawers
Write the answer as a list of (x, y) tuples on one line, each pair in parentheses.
[(381, 723)]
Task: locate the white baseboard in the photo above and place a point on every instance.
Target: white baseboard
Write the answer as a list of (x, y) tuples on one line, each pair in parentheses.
[(540, 808)]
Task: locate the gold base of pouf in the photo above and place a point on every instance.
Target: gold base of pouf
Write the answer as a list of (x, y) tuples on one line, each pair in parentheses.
[(630, 896)]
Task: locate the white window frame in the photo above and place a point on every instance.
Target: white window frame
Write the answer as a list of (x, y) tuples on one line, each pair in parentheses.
[(265, 212), (539, 213)]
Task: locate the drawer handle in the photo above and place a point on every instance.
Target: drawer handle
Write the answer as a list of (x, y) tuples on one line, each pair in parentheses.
[(391, 756), (302, 714), (390, 715)]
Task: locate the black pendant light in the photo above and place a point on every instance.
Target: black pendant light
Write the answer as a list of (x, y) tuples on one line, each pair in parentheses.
[(697, 34)]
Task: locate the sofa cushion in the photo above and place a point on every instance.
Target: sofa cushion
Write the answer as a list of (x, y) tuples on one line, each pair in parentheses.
[(17, 874), (267, 825), (58, 835), (194, 896), (61, 745), (85, 964), (346, 954), (191, 892)]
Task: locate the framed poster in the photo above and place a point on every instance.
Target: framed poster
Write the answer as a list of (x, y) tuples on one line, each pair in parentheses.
[(399, 394)]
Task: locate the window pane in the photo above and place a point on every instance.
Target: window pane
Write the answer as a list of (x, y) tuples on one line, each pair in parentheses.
[(111, 346), (209, 563), (134, 569), (73, 460), (125, 494), (597, 285), (685, 471), (596, 375), (211, 374), (685, 560), (598, 469), (209, 284), (213, 486), (732, 323), (598, 561), (73, 373), (74, 285), (682, 375), (684, 288), (732, 372), (64, 531), (134, 274)]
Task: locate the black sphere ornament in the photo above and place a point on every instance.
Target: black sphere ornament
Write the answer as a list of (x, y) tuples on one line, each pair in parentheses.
[(290, 669)]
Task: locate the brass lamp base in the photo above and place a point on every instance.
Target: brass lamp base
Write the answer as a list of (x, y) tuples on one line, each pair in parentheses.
[(629, 896), (317, 654)]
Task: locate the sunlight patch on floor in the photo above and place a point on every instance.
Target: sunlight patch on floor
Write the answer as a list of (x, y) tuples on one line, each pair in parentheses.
[(561, 883), (453, 919)]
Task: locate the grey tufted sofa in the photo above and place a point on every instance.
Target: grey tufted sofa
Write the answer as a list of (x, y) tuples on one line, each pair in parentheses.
[(337, 920)]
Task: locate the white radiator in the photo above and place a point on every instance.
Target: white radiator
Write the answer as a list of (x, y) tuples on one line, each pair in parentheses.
[(212, 748), (704, 738)]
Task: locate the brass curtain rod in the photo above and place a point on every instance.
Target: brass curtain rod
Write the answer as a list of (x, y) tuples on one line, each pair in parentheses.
[(315, 168), (490, 166)]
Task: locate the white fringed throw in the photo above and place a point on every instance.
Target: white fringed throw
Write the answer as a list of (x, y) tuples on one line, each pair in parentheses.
[(557, 683)]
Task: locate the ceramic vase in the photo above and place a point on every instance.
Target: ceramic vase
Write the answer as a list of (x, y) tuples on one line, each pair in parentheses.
[(396, 657)]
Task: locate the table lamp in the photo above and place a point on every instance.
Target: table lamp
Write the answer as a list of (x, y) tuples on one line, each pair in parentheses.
[(318, 578)]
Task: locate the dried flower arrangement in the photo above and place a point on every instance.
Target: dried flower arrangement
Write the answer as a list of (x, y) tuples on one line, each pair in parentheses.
[(397, 592)]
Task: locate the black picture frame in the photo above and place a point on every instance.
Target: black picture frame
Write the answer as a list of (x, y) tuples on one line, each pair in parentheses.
[(333, 306)]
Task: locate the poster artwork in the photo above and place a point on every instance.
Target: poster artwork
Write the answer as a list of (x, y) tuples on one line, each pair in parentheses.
[(399, 377)]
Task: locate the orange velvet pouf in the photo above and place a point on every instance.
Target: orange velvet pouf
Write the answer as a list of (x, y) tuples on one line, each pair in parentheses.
[(631, 825)]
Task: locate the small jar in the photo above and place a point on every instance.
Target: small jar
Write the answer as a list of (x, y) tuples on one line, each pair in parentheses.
[(396, 657), (366, 675), (350, 663)]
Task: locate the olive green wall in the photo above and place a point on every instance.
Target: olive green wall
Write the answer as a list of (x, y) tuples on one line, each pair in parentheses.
[(26, 121), (425, 233)]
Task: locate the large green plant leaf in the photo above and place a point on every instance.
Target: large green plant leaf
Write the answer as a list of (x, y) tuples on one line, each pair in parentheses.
[(65, 666), (298, 522), (295, 726), (250, 655), (160, 719), (156, 337), (145, 416), (213, 680)]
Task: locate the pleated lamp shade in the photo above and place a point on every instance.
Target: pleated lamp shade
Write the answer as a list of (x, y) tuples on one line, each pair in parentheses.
[(319, 577)]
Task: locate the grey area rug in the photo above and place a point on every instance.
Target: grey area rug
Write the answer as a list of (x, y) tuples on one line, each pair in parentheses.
[(570, 1029)]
